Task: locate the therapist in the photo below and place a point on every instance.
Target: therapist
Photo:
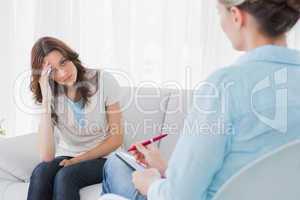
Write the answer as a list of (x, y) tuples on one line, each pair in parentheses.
[(255, 101)]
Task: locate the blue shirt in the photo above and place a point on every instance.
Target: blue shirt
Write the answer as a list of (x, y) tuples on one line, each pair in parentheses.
[(78, 111), (239, 113)]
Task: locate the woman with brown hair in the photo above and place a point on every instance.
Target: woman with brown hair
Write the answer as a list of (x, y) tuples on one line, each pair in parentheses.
[(240, 113), (80, 125)]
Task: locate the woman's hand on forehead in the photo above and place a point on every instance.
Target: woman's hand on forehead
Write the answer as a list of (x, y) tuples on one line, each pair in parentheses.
[(46, 64), (46, 68)]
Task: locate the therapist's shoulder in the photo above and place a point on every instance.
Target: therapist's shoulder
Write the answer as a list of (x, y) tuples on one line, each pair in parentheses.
[(225, 75), (220, 90), (223, 82)]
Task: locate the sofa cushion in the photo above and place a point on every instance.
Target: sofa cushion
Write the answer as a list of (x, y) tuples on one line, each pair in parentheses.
[(10, 190), (178, 106), (13, 190), (4, 175), (91, 192), (112, 197), (19, 156), (143, 112)]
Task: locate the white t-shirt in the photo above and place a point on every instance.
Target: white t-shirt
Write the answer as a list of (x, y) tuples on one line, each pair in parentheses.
[(79, 130)]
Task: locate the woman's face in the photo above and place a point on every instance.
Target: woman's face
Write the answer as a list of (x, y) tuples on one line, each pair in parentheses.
[(231, 23), (64, 71)]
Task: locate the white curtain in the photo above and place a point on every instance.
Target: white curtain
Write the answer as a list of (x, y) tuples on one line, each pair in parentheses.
[(167, 43)]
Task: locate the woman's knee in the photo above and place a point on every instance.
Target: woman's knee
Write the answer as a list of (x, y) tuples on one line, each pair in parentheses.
[(110, 166), (115, 169), (66, 184), (113, 163), (117, 177), (40, 172), (65, 179)]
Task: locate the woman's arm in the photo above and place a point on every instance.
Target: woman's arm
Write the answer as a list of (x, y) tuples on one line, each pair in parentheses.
[(46, 138), (45, 131), (114, 141)]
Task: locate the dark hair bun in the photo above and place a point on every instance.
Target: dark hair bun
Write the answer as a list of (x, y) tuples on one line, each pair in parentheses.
[(294, 4), (275, 17)]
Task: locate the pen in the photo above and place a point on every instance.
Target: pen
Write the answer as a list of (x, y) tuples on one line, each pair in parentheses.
[(152, 140)]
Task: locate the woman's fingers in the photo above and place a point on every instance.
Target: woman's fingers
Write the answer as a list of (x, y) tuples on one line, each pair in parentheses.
[(62, 163), (152, 147), (140, 158), (45, 64), (143, 162), (138, 155), (46, 71), (142, 149), (135, 152), (46, 68)]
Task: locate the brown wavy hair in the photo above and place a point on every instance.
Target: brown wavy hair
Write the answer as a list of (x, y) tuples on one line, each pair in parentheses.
[(40, 50), (275, 17)]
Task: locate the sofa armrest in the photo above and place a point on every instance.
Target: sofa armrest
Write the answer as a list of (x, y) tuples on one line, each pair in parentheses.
[(19, 155), (4, 175)]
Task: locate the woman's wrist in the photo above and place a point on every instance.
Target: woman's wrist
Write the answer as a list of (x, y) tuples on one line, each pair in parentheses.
[(163, 167), (76, 160), (79, 158), (46, 104)]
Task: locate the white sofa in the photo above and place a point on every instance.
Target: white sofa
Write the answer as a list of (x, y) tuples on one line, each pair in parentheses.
[(147, 112)]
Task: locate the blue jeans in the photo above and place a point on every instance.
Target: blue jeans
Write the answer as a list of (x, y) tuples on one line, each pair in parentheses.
[(117, 179), (49, 181)]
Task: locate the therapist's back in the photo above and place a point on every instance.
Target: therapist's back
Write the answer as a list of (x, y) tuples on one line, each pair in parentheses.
[(243, 111), (261, 110)]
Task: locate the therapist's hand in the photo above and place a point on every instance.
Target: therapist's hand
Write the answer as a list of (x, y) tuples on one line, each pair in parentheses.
[(142, 180), (151, 157)]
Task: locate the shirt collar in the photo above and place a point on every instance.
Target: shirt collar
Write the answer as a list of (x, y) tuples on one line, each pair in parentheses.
[(271, 53)]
